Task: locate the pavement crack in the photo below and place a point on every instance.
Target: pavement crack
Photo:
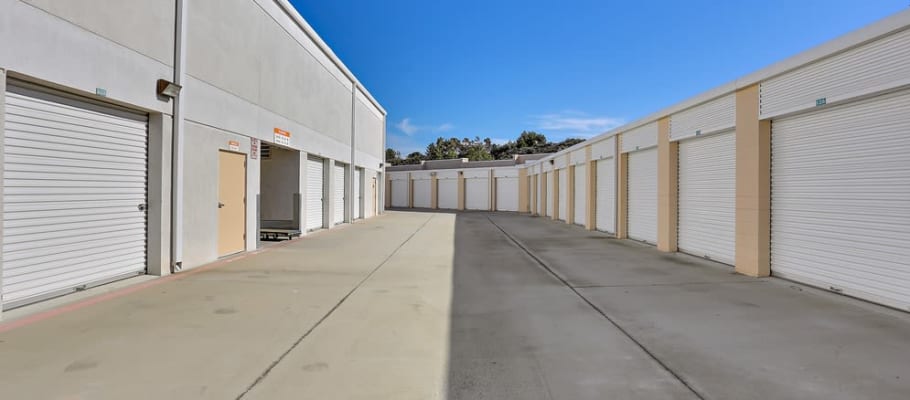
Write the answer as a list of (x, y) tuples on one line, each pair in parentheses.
[(329, 313), (543, 264)]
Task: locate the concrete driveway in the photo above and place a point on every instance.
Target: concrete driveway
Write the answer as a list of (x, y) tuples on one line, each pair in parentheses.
[(460, 306)]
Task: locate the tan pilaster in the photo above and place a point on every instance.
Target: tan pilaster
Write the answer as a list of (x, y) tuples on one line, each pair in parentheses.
[(543, 193), (434, 191), (533, 199), (492, 193), (667, 182), (570, 194), (461, 190), (590, 191), (410, 191), (622, 192), (753, 186), (524, 188), (556, 187), (388, 190)]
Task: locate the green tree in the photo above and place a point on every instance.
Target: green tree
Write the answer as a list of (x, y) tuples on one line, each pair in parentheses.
[(443, 149), (530, 139), (413, 158), (392, 157)]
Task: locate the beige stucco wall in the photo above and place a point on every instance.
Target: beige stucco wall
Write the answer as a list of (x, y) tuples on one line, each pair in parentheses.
[(622, 195), (753, 186), (570, 194), (591, 191), (434, 192), (667, 184), (460, 190)]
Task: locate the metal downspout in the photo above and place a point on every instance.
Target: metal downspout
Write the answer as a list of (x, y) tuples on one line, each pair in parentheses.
[(177, 149)]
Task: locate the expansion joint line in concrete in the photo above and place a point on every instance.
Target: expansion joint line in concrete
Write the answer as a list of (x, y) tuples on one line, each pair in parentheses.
[(603, 314), (328, 314)]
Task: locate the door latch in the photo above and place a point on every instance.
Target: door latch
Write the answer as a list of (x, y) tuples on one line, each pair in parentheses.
[(143, 207), (220, 205)]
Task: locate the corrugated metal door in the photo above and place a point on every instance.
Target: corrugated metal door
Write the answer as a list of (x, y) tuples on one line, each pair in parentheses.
[(840, 203), (581, 194), (605, 215), (643, 195), (447, 193), (315, 189), (341, 185), (422, 193), (74, 194), (550, 201), (400, 193), (707, 197), (563, 194), (507, 194), (477, 193), (358, 198)]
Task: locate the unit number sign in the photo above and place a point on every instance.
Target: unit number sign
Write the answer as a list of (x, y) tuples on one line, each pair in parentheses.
[(282, 137)]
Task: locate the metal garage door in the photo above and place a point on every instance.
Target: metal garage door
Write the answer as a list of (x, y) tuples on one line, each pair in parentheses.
[(315, 189), (338, 199), (447, 193), (74, 195), (507, 194), (840, 204), (581, 194), (400, 193), (643, 195), (605, 215), (707, 196), (563, 187), (422, 193), (477, 193), (358, 198)]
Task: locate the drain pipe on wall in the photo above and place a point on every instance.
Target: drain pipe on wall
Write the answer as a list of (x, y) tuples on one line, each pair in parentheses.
[(354, 202), (177, 148)]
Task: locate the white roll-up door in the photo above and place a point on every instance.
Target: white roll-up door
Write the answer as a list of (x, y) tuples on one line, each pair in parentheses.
[(338, 198), (707, 197), (581, 194), (551, 202), (358, 198), (315, 191), (563, 194), (507, 194), (74, 195), (643, 195), (840, 204), (605, 214), (477, 193), (400, 193), (447, 194), (422, 193)]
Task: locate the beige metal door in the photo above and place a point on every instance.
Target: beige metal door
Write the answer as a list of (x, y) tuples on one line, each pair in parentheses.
[(231, 203)]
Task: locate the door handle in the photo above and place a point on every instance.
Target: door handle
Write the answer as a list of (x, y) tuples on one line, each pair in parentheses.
[(220, 205), (142, 207)]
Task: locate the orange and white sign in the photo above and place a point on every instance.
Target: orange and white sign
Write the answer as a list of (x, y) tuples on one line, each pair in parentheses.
[(282, 137), (234, 145)]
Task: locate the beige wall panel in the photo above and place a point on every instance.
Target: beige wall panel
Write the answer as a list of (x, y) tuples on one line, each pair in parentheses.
[(753, 186)]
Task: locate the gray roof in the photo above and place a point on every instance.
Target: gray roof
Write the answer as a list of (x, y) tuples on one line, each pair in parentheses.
[(461, 163)]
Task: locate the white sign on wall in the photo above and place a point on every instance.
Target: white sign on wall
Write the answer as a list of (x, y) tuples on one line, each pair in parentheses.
[(282, 137)]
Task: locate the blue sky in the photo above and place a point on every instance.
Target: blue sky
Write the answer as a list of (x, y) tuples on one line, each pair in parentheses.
[(571, 68)]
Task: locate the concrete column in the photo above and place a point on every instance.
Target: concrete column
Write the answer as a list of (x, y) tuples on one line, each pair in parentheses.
[(570, 193), (753, 186), (461, 190), (667, 187), (534, 183), (622, 192), (492, 196), (328, 205), (524, 188), (159, 194), (434, 192), (591, 191), (301, 188)]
